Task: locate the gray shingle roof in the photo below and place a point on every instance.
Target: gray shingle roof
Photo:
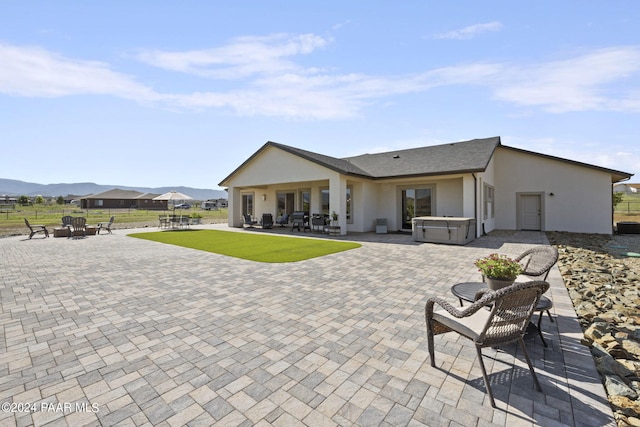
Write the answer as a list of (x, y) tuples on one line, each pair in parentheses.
[(459, 157)]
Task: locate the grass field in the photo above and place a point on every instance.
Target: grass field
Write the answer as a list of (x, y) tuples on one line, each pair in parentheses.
[(250, 246), (12, 220)]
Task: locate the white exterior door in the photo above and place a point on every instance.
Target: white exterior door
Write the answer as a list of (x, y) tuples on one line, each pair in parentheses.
[(530, 211)]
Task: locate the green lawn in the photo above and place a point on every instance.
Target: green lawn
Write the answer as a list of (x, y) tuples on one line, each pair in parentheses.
[(249, 246)]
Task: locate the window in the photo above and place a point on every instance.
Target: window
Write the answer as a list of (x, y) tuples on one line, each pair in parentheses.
[(416, 201), (324, 201), (99, 203), (285, 203), (305, 199), (489, 205), (247, 204), (349, 207)]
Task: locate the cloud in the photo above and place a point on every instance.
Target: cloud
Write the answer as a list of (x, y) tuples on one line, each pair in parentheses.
[(243, 57), (260, 77), (35, 72), (576, 84), (469, 32)]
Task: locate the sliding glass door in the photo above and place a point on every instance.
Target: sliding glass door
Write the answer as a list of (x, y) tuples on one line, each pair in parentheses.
[(415, 202)]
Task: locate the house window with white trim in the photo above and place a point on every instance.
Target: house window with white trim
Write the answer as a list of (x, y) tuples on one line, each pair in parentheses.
[(489, 203)]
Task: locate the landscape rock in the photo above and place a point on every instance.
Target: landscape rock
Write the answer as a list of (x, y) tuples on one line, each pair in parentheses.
[(604, 286)]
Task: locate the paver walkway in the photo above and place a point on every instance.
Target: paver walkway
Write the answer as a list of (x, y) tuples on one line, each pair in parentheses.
[(112, 330)]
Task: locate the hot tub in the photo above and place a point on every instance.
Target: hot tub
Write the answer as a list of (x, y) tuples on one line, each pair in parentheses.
[(443, 229)]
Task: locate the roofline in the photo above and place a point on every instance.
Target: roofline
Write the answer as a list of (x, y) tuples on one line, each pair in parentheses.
[(620, 175), (296, 152)]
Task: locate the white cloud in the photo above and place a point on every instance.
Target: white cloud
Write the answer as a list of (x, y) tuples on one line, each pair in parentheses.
[(243, 57), (576, 84), (35, 72), (267, 80), (470, 32)]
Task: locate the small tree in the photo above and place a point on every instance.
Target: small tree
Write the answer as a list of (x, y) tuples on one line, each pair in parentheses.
[(60, 200), (617, 198), (38, 200), (23, 200)]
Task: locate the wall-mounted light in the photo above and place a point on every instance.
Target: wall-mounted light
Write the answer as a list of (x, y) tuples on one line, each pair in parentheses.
[(551, 194), (264, 197)]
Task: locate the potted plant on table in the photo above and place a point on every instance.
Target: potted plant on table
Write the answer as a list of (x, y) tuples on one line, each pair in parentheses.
[(334, 218), (499, 270)]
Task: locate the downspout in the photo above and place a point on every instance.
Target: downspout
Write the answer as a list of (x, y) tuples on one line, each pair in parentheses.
[(475, 203), (613, 227)]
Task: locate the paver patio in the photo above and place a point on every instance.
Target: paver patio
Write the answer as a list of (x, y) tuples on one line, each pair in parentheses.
[(153, 334)]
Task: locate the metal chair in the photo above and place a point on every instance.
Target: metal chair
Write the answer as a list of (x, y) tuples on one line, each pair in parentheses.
[(248, 221), (506, 321)]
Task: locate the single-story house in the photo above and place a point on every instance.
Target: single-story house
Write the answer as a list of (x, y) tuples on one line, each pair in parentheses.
[(500, 187), (120, 199)]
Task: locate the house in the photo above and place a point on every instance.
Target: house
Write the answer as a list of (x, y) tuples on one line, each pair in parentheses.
[(500, 187), (120, 199)]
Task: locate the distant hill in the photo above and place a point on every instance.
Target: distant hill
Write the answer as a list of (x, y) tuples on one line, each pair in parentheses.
[(12, 187)]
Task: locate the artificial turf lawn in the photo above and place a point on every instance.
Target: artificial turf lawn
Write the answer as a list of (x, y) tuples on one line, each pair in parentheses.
[(249, 246)]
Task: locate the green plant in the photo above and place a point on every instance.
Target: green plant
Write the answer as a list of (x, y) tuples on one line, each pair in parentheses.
[(334, 216), (497, 266), (196, 215)]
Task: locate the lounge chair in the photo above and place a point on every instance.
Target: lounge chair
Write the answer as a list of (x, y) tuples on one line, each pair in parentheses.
[(505, 322), (248, 221), (33, 229), (106, 226), (79, 227), (284, 220)]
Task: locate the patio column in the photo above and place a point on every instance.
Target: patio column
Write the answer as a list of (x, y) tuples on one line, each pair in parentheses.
[(338, 200), (234, 208)]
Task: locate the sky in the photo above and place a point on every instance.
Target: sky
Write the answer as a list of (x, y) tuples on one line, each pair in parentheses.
[(180, 93)]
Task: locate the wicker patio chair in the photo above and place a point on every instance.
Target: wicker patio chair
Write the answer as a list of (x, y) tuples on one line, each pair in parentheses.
[(505, 321), (33, 229), (537, 261)]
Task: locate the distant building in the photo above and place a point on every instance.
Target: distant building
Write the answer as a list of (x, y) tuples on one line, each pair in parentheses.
[(626, 188), (122, 199)]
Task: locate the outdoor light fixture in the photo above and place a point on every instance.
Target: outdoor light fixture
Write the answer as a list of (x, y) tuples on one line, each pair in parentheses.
[(264, 197)]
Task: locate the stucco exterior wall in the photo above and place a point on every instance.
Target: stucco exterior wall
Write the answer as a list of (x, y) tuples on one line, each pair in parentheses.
[(574, 198)]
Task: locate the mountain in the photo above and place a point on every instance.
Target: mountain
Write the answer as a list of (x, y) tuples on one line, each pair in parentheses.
[(12, 187)]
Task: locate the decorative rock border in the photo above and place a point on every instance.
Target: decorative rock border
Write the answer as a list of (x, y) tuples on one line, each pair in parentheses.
[(604, 286)]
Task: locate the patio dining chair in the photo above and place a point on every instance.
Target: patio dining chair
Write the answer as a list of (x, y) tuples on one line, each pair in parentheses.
[(33, 229), (499, 317), (537, 261)]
